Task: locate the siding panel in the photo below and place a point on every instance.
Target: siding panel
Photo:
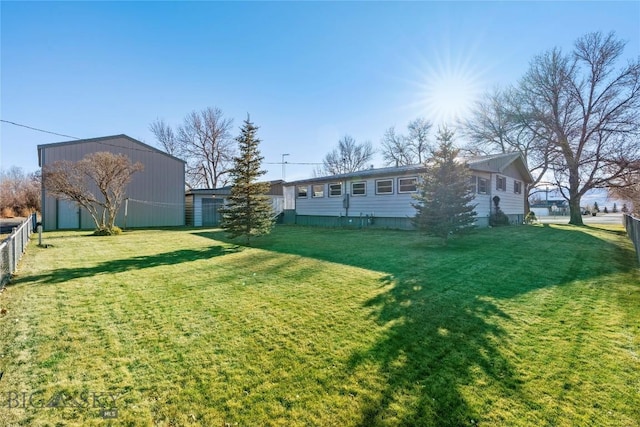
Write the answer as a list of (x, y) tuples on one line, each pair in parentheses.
[(156, 194)]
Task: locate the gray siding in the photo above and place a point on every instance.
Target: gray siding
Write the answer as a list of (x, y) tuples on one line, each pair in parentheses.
[(379, 205), (156, 194), (510, 202), (397, 205)]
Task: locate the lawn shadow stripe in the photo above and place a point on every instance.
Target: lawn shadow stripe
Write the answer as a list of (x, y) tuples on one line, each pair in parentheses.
[(180, 256)]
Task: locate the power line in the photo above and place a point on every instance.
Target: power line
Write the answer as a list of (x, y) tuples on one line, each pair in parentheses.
[(291, 163), (131, 148), (75, 137), (39, 130)]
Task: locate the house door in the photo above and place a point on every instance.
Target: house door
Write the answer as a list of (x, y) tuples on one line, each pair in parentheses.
[(210, 212), (68, 215)]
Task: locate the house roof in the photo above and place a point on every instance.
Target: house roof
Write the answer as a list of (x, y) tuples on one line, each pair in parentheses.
[(495, 163), (366, 173), (103, 140), (274, 190)]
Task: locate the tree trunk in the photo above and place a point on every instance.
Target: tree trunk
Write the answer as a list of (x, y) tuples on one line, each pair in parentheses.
[(574, 210)]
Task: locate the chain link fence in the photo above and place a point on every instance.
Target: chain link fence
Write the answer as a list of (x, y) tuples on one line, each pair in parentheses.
[(632, 225), (12, 248)]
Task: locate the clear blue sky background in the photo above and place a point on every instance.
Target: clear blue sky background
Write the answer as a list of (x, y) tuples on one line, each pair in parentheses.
[(308, 73)]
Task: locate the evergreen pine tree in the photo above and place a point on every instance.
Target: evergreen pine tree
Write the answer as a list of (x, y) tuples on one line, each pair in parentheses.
[(615, 208), (248, 211), (444, 201)]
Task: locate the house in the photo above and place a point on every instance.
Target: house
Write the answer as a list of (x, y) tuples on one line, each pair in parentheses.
[(202, 205), (155, 194), (383, 197)]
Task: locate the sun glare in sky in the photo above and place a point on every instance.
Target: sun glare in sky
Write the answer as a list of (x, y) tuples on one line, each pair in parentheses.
[(449, 89)]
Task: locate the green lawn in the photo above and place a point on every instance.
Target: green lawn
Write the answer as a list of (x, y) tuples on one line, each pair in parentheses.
[(519, 326)]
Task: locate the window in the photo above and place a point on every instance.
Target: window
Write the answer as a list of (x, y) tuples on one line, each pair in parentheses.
[(359, 189), (407, 185), (501, 183), (483, 186), (335, 189), (318, 190), (384, 186), (517, 187), (472, 183), (302, 191)]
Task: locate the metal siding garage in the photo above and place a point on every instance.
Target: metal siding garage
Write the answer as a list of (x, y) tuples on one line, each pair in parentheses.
[(210, 211), (156, 194), (68, 215)]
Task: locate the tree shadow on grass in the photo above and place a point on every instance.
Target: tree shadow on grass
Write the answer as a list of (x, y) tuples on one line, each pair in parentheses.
[(442, 314), (127, 264)]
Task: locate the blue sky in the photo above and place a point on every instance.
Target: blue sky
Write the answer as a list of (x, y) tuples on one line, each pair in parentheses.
[(308, 73)]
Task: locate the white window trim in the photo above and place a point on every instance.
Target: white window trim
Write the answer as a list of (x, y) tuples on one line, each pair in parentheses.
[(498, 179), (335, 195), (386, 179), (364, 184), (313, 192), (298, 196), (486, 186), (415, 178), (519, 183)]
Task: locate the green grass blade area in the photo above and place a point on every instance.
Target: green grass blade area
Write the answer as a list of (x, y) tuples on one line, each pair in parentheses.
[(519, 326)]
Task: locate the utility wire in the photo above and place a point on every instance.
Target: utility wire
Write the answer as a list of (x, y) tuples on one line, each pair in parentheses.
[(39, 130), (291, 163), (136, 149)]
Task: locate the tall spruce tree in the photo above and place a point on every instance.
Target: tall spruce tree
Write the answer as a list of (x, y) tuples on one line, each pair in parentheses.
[(444, 200), (248, 212)]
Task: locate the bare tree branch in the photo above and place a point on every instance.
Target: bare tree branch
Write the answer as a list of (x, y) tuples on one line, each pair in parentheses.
[(204, 141), (97, 183), (349, 156)]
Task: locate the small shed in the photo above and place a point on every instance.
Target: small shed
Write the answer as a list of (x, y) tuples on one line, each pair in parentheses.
[(202, 205)]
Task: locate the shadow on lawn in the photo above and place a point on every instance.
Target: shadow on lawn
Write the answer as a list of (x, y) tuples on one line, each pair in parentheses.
[(442, 310), (127, 264)]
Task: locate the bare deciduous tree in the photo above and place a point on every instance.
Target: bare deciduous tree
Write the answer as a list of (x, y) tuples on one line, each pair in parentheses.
[(399, 150), (19, 192), (418, 139), (205, 142), (628, 188), (497, 126), (587, 112), (349, 156), (395, 149), (97, 183)]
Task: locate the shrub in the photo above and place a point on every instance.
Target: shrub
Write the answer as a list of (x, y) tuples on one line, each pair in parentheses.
[(113, 231), (530, 218), (499, 218)]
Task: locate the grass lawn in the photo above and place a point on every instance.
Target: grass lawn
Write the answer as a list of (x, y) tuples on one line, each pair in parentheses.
[(519, 326)]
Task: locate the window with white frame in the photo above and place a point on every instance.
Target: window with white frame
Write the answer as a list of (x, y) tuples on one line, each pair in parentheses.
[(517, 187), (483, 186), (303, 191), (384, 186), (318, 190), (407, 185), (501, 183), (335, 189), (359, 188)]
